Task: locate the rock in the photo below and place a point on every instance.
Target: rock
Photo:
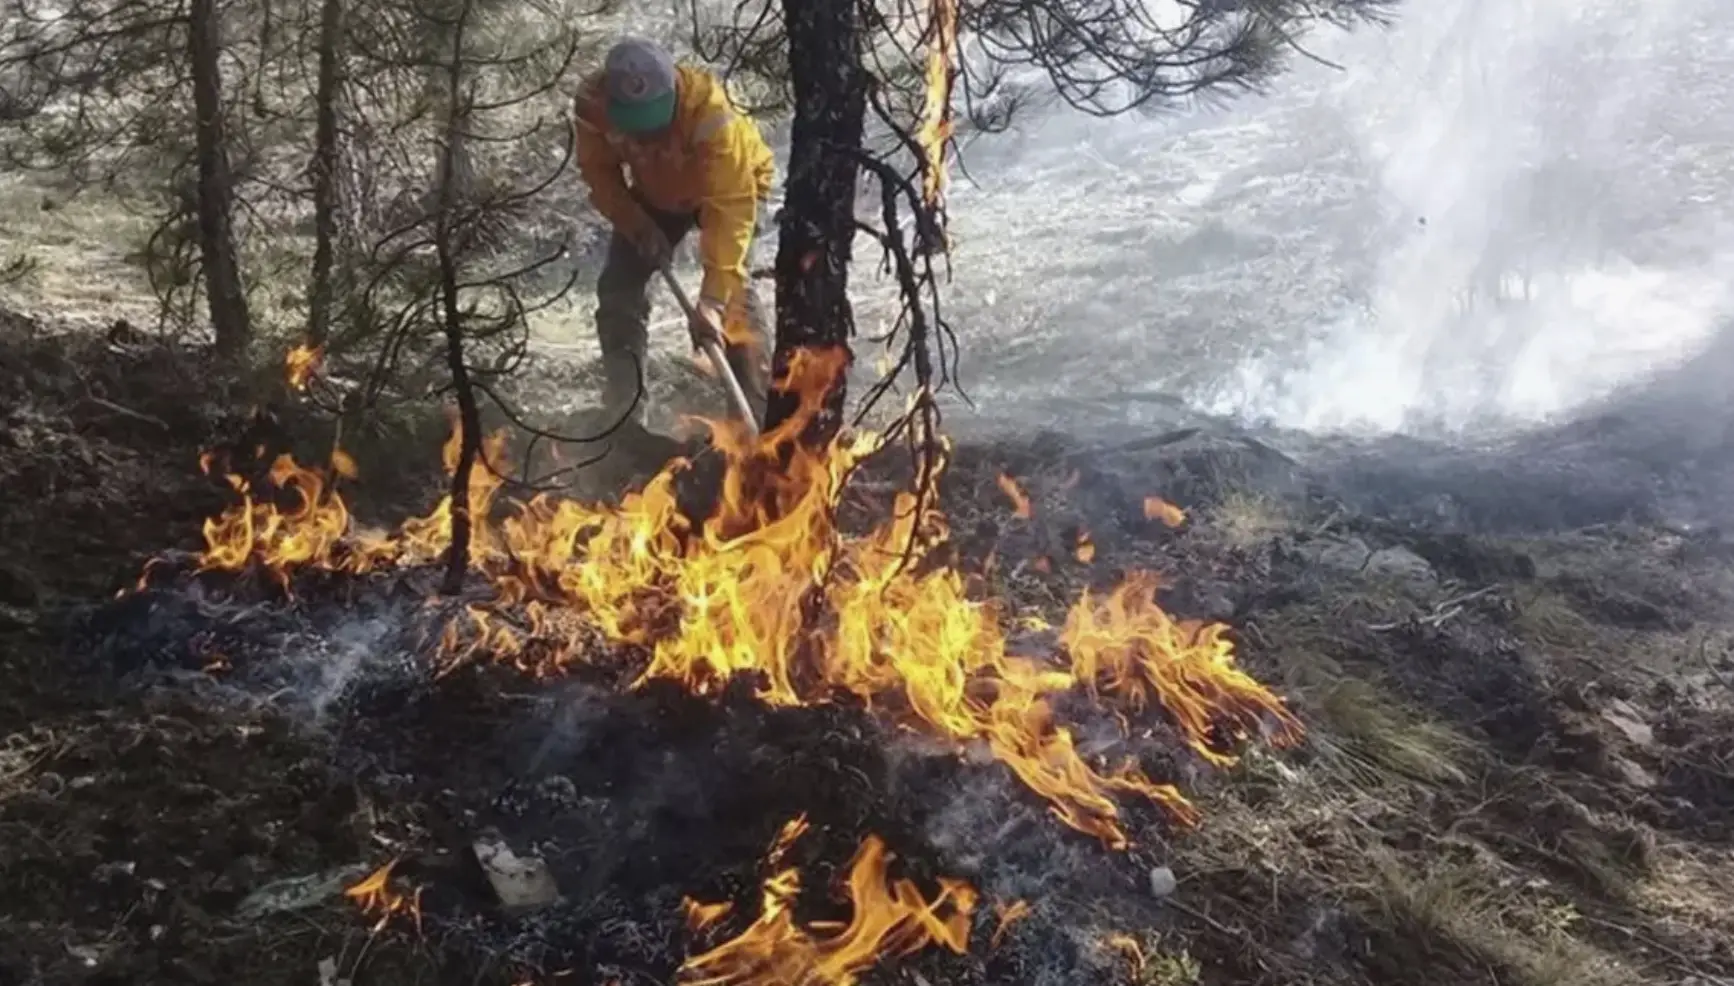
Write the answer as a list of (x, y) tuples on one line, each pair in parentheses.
[(522, 884), (299, 893), (328, 972), (1401, 563), (1162, 882), (1622, 716), (1352, 556), (1347, 556)]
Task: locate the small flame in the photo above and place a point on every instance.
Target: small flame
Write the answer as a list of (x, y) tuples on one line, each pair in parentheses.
[(700, 917), (891, 919), (791, 832), (1084, 547), (1134, 952), (1156, 508), (1021, 507), (376, 898), (1125, 646), (301, 363), (1009, 914), (343, 464), (935, 129)]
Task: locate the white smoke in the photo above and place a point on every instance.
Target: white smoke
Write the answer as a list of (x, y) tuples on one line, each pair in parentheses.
[(1535, 253), (1494, 212)]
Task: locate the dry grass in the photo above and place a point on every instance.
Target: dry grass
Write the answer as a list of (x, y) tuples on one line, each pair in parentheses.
[(1547, 617), (1457, 907), (1379, 741), (20, 755), (1148, 960), (1246, 520), (78, 248)]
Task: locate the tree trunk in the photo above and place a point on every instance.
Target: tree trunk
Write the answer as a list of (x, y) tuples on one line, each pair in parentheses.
[(469, 413), (818, 222), (327, 172), (216, 198)]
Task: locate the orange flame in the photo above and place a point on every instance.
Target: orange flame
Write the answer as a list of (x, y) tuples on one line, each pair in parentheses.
[(936, 121), (701, 916), (1084, 547), (891, 919), (1133, 951), (768, 585), (1124, 645), (1009, 914), (301, 363), (376, 897), (1021, 507), (1156, 508)]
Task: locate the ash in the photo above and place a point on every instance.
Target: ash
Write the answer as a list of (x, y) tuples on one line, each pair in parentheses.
[(633, 799)]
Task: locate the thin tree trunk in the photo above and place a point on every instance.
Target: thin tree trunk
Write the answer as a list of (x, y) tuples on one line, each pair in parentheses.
[(469, 413), (818, 224), (216, 198), (327, 172)]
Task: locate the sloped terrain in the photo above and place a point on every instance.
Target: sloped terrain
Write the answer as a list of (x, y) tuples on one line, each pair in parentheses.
[(1516, 766)]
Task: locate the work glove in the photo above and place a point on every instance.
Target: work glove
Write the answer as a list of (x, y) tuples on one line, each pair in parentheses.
[(705, 323)]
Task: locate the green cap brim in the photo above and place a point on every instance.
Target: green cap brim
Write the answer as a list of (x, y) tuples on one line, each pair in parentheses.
[(645, 117)]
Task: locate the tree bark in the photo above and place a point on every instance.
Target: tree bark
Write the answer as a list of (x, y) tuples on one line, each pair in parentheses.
[(327, 172), (216, 196), (469, 412), (818, 221)]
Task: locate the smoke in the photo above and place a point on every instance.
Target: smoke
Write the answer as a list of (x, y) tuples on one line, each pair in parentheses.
[(1493, 215), (1529, 168)]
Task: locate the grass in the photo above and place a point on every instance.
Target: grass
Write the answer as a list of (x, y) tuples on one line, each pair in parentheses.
[(1246, 520), (1452, 907), (1149, 962), (1545, 616), (1379, 741), (77, 248)]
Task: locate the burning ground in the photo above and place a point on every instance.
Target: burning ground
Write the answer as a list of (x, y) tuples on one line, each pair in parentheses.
[(1408, 754)]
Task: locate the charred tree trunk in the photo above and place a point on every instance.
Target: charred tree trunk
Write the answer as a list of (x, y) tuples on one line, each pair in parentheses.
[(469, 413), (216, 194), (818, 222), (327, 172)]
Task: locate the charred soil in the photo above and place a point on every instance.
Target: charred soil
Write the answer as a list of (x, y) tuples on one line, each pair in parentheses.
[(1519, 764)]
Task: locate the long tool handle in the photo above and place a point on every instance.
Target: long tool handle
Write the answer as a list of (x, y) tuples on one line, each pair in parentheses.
[(718, 359)]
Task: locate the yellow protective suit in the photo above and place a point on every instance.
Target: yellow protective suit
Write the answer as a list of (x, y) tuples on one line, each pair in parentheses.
[(711, 161)]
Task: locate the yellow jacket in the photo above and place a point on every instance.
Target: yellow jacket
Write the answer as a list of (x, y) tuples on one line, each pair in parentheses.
[(712, 161)]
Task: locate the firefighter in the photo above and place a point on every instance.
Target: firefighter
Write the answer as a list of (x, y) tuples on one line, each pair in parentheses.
[(663, 151)]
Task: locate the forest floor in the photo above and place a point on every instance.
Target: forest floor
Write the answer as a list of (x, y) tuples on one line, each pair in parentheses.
[(1518, 765)]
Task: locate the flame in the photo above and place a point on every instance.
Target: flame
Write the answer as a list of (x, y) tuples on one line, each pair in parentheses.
[(702, 916), (1084, 547), (1124, 645), (375, 896), (1009, 914), (343, 464), (767, 585), (935, 129), (301, 363), (891, 918), (1021, 507), (1133, 951), (1156, 508)]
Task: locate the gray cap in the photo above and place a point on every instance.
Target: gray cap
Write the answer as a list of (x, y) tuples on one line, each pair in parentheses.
[(638, 71)]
